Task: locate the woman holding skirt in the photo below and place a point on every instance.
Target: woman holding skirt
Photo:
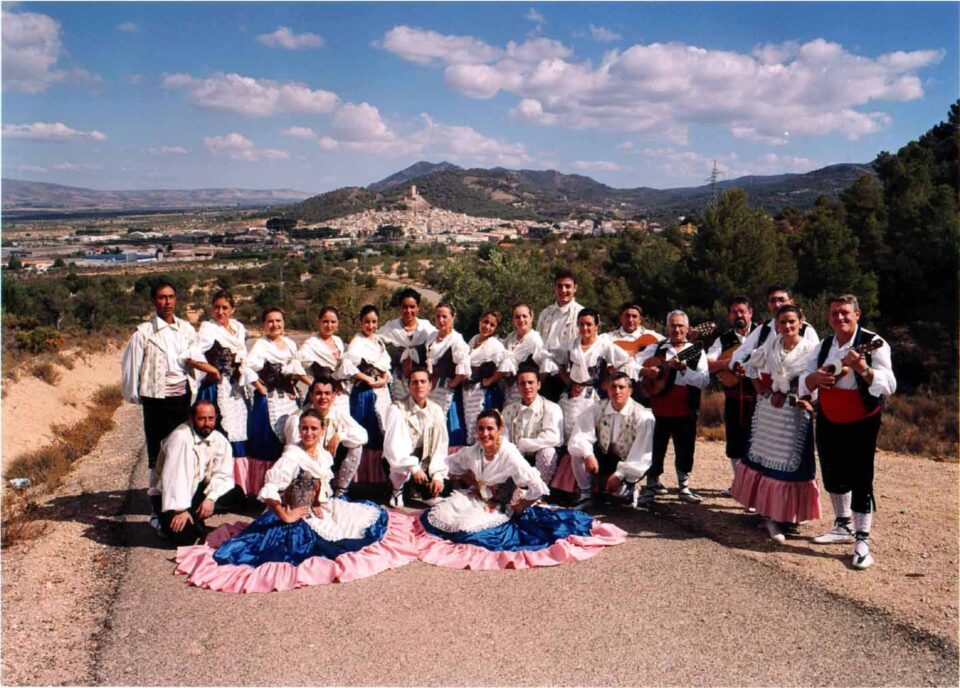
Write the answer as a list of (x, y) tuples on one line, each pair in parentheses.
[(221, 343), (448, 360), (273, 358), (778, 474), (494, 524), (304, 537), (482, 391)]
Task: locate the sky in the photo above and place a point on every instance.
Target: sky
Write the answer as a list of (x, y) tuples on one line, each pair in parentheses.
[(316, 96)]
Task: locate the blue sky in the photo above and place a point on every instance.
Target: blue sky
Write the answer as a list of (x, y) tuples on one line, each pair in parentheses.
[(314, 96)]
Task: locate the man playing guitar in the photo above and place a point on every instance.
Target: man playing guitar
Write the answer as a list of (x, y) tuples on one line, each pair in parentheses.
[(777, 295), (740, 398), (850, 381), (675, 408)]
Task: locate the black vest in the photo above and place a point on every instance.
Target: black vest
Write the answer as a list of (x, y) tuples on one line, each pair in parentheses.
[(861, 337)]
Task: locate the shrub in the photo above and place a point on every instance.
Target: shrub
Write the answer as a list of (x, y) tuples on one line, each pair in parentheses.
[(47, 372), (39, 340)]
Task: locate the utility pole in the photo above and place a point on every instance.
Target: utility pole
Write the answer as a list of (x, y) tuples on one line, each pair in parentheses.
[(714, 176)]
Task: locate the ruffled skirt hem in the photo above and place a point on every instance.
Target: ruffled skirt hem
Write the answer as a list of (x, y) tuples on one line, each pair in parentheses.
[(788, 501), (745, 483), (446, 554), (396, 548)]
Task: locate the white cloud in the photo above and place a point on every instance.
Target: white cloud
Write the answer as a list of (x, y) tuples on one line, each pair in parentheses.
[(603, 35), (76, 167), (128, 27), (626, 145), (238, 147), (690, 165), (252, 97), (31, 49), (288, 40), (167, 150), (50, 131), (32, 168), (300, 132), (422, 46), (661, 89), (603, 165), (535, 17)]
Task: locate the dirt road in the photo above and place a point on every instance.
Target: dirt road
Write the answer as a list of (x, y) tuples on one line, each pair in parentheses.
[(696, 596)]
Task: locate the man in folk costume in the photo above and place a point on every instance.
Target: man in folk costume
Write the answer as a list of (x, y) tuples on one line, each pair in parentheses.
[(342, 435), (739, 398), (851, 381), (777, 295), (614, 438), (630, 319), (155, 372), (676, 411), (557, 325), (194, 469), (534, 424), (415, 442)]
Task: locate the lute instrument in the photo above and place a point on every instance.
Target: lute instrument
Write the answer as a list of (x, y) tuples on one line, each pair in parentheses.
[(835, 367), (666, 374)]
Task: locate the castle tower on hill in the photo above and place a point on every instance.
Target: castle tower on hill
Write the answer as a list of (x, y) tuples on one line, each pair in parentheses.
[(413, 192)]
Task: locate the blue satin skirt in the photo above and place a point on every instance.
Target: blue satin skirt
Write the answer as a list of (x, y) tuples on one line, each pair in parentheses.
[(363, 409), (262, 442), (456, 429), (268, 539), (493, 398), (534, 529)]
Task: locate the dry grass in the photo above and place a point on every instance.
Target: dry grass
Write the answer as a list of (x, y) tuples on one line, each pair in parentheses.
[(923, 424), (47, 372), (64, 361), (46, 467)]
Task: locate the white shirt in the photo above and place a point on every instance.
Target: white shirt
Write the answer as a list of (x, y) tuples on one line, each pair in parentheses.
[(288, 467), (578, 361), (186, 460), (408, 427), (507, 463), (750, 344), (631, 419), (713, 353), (315, 350), (394, 334), (340, 422), (363, 348), (533, 427), (265, 351), (236, 341), (695, 374), (884, 382), (167, 364), (519, 350), (558, 324)]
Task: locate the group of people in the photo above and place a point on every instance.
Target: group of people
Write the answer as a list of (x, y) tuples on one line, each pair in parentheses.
[(481, 431)]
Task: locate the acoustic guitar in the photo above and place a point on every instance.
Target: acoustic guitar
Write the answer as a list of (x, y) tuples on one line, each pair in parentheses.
[(727, 377), (835, 364), (666, 375), (639, 343)]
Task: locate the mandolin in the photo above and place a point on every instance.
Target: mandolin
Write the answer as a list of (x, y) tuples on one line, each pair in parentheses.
[(727, 377), (666, 375), (835, 364)]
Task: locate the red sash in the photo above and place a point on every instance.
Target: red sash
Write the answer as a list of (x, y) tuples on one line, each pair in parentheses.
[(844, 405), (674, 403)]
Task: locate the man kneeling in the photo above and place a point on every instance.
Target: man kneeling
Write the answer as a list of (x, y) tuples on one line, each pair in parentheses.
[(534, 424), (415, 442), (194, 469), (614, 438)]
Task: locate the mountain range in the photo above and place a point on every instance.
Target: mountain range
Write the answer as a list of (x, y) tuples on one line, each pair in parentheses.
[(551, 195), (498, 192), (26, 197)]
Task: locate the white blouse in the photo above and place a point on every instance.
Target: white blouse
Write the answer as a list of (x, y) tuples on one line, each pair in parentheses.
[(267, 351), (315, 350), (490, 350), (393, 333), (288, 466), (436, 348), (519, 350), (506, 463), (236, 341), (578, 361), (363, 348)]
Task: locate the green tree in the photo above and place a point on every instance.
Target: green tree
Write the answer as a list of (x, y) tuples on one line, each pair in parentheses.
[(14, 263), (866, 215), (649, 266)]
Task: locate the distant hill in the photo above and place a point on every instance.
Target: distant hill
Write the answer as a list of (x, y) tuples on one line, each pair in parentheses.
[(551, 195), (419, 169), (38, 197)]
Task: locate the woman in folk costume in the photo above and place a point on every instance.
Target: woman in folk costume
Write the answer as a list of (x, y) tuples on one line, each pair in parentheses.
[(482, 391), (321, 353), (778, 476), (448, 360), (222, 343), (523, 346), (273, 358), (585, 363), (304, 537), (494, 524), (406, 340), (367, 363)]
